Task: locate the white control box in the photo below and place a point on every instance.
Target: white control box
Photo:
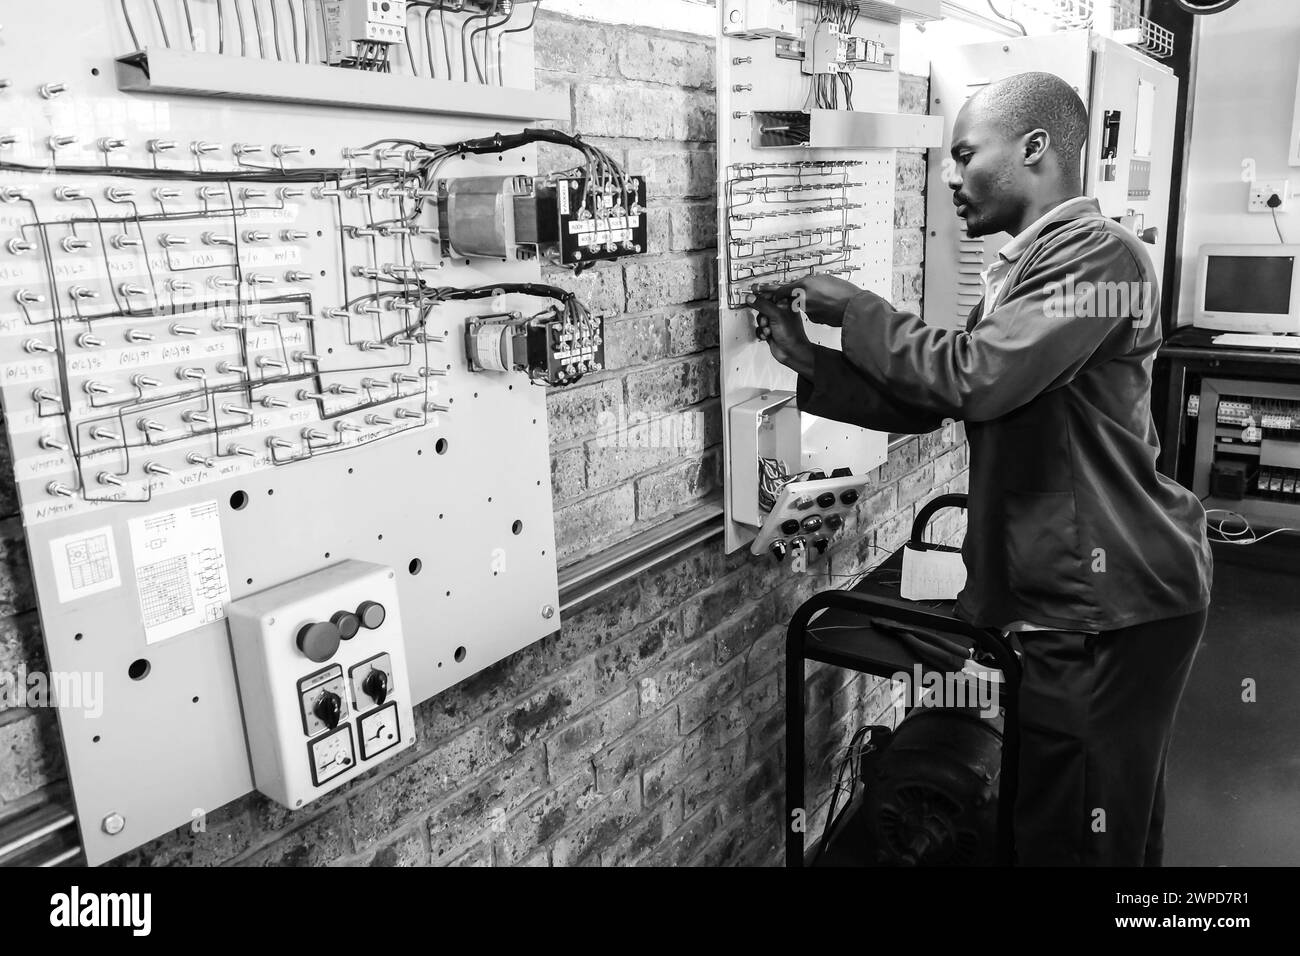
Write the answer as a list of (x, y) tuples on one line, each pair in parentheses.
[(323, 684)]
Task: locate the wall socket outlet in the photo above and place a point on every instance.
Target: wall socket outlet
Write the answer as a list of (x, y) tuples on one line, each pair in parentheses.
[(1262, 189)]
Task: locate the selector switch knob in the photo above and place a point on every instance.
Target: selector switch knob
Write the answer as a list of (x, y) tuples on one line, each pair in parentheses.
[(319, 641), (329, 708), (826, 499), (790, 527), (372, 614), (376, 686), (834, 522), (347, 623)]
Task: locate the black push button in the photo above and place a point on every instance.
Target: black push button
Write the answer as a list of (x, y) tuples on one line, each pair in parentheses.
[(372, 614)]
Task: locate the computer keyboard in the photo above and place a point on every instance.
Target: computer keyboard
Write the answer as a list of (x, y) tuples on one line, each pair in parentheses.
[(1251, 340)]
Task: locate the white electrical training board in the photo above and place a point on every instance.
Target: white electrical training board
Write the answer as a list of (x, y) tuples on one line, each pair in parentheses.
[(842, 220), (368, 450)]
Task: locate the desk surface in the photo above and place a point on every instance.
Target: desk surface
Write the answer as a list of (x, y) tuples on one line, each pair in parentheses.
[(1194, 344)]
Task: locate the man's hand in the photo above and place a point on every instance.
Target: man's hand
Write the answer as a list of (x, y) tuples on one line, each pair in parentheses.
[(782, 329), (822, 299)]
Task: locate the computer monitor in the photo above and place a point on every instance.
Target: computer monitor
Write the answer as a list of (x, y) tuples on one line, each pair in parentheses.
[(1248, 288)]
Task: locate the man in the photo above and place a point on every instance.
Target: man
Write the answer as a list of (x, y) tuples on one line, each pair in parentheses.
[(1099, 564)]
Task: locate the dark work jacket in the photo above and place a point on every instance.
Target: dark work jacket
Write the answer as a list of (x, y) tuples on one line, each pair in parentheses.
[(1069, 524)]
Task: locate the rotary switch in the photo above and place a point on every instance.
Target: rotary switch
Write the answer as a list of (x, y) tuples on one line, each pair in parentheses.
[(319, 640), (375, 685), (329, 708)]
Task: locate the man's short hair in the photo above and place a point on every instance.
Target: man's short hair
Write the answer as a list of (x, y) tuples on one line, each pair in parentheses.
[(1029, 101)]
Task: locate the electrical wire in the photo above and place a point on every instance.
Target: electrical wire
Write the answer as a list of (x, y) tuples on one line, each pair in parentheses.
[(1237, 537), (162, 24), (275, 27), (130, 27), (465, 56), (257, 26), (239, 16), (1277, 226), (221, 26), (189, 25), (532, 21), (293, 27), (324, 33), (486, 30), (1002, 16)]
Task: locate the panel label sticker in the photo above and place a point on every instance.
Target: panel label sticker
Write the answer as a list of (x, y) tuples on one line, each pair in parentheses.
[(85, 563), (180, 570)]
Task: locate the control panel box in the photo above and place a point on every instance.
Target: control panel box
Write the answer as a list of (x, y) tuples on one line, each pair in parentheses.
[(322, 679)]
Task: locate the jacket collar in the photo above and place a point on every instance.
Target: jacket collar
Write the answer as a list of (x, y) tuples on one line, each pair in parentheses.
[(1074, 208)]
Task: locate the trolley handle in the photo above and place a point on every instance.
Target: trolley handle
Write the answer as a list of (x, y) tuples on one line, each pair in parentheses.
[(931, 507)]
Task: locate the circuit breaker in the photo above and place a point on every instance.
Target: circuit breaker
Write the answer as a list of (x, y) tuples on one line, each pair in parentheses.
[(350, 24), (322, 679)]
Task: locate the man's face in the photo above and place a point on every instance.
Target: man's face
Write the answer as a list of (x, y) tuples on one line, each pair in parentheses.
[(986, 177)]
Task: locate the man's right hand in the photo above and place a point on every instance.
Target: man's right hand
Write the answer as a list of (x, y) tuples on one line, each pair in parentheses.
[(822, 299)]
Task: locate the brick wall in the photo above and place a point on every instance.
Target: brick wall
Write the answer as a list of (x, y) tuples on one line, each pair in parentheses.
[(650, 729)]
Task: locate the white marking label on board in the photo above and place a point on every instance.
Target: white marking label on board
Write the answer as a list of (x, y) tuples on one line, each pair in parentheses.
[(85, 563), (180, 570)]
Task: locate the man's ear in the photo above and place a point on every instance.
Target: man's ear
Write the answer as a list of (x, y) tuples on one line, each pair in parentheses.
[(1036, 143)]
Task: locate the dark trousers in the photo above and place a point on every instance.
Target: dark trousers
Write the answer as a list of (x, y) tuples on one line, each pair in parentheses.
[(1096, 716)]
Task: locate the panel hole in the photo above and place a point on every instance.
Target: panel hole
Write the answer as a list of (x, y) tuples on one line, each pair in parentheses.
[(441, 446), (94, 71), (239, 500), (194, 700), (250, 580), (139, 669), (381, 537), (78, 636), (517, 527), (270, 491), (95, 739), (415, 566), (460, 654)]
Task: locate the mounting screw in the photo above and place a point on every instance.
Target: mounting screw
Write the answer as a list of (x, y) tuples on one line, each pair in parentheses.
[(114, 824), (548, 612)]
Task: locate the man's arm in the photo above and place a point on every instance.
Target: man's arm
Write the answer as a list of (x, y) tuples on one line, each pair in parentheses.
[(1032, 343), (838, 391)]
